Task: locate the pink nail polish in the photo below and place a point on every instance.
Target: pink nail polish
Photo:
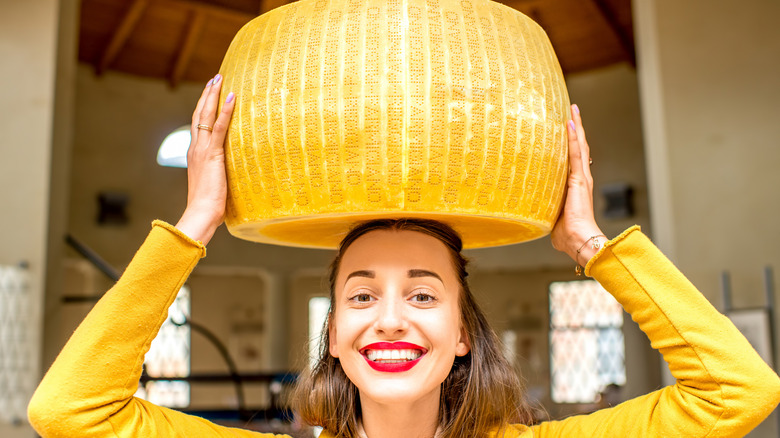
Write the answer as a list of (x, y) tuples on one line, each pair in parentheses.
[(572, 126), (576, 108), (230, 97), (217, 78)]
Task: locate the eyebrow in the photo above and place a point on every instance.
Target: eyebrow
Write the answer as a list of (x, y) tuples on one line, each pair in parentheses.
[(367, 274), (413, 273)]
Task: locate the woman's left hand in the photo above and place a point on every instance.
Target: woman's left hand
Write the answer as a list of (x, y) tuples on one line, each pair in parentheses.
[(206, 178), (577, 223)]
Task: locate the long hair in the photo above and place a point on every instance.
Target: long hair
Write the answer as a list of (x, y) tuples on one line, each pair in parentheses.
[(482, 393)]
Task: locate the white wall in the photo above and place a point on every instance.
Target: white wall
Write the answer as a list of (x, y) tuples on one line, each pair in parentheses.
[(709, 77), (714, 65), (29, 33)]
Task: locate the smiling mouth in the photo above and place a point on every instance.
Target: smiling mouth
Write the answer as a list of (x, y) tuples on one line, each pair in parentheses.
[(392, 356)]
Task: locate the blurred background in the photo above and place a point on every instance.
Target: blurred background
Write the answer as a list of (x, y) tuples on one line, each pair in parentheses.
[(679, 99)]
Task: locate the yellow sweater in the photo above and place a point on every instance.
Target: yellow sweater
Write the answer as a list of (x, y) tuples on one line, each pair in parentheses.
[(723, 387)]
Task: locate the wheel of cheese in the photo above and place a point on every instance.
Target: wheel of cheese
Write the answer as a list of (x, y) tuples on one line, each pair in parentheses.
[(350, 110)]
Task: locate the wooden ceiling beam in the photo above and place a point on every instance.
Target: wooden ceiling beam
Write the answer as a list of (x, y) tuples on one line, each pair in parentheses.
[(210, 10), (194, 32), (267, 5), (612, 22), (119, 38)]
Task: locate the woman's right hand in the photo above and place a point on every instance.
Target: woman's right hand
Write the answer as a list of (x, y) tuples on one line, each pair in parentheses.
[(206, 178), (576, 226)]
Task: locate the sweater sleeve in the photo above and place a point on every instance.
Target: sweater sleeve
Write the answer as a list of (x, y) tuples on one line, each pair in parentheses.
[(88, 391), (723, 389)]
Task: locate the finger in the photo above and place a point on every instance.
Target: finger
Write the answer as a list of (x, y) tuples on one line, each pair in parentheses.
[(208, 113), (198, 109), (577, 117), (194, 131), (575, 150), (582, 140), (223, 121)]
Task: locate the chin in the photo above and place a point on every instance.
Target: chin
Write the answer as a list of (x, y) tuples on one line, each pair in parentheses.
[(394, 392)]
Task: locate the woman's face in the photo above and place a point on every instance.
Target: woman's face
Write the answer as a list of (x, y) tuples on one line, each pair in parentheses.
[(397, 327)]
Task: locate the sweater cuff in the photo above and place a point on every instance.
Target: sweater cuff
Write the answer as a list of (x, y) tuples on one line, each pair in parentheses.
[(178, 233), (606, 245)]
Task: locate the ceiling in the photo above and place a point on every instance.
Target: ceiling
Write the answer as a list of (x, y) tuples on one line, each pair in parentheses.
[(185, 40)]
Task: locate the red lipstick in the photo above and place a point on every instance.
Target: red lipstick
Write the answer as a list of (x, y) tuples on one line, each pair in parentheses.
[(392, 367)]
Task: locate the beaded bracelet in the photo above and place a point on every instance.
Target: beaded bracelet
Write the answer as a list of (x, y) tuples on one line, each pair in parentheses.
[(596, 245)]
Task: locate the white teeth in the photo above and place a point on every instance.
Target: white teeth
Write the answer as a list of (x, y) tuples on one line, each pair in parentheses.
[(375, 355)]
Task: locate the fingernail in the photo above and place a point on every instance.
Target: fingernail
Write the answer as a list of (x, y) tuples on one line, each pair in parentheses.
[(217, 78), (571, 125), (230, 97), (576, 108)]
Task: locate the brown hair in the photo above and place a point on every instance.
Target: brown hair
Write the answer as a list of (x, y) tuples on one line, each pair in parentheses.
[(481, 393)]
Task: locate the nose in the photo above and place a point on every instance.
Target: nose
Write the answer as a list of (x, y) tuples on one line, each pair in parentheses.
[(391, 319)]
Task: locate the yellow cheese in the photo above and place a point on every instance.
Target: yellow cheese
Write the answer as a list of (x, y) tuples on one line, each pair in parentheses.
[(349, 110)]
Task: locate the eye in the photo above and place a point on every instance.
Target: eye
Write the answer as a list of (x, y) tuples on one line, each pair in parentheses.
[(423, 296), (362, 297)]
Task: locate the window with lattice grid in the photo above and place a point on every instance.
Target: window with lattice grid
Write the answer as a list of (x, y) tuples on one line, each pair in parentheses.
[(169, 356), (318, 313), (587, 351), (17, 374)]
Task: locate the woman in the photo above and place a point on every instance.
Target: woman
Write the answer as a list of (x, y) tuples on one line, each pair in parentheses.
[(408, 352)]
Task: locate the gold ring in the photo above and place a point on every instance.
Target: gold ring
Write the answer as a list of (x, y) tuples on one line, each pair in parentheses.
[(206, 127), (590, 160)]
